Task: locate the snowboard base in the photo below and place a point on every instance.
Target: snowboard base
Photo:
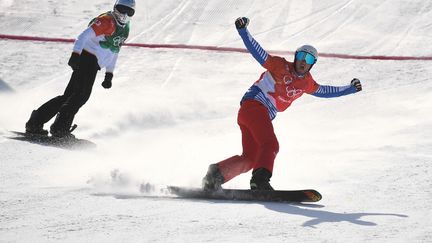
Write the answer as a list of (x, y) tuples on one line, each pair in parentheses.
[(65, 143), (298, 196)]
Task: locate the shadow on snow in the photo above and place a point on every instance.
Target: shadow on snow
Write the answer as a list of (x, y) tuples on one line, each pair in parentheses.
[(310, 210), (322, 216)]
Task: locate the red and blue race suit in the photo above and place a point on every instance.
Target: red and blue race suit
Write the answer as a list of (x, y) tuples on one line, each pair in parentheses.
[(273, 92), (280, 85)]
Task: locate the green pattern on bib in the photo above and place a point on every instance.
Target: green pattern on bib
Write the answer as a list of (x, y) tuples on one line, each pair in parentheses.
[(116, 40)]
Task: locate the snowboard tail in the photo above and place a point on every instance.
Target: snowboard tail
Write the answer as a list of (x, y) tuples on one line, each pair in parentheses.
[(307, 195)]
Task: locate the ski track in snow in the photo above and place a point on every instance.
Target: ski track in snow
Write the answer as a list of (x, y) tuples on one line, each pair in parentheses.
[(170, 113)]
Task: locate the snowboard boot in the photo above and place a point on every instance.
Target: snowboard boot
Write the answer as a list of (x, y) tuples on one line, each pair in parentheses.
[(213, 179), (34, 124), (261, 180), (62, 126)]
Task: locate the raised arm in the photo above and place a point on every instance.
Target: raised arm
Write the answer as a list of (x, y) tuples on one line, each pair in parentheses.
[(251, 44), (326, 91)]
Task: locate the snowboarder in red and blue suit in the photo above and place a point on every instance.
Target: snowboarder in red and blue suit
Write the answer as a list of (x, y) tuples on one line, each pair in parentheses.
[(275, 90)]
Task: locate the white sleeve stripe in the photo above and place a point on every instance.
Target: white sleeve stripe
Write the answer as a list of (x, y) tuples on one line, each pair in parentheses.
[(262, 52), (324, 89), (255, 45), (259, 49)]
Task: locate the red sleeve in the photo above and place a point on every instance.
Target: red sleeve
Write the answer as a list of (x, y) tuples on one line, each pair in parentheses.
[(104, 25)]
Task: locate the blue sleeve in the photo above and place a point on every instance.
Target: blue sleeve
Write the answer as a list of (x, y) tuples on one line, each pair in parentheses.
[(253, 47), (325, 91)]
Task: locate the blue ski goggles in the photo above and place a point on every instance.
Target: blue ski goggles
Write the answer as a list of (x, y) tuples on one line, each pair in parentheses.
[(302, 55)]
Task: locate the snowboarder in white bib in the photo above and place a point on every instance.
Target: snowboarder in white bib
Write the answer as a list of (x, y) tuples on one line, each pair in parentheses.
[(95, 48)]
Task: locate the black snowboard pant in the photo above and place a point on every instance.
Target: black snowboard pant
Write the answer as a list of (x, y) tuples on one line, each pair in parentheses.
[(75, 96)]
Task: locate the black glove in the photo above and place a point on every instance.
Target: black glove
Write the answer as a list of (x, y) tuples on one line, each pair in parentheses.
[(241, 22), (107, 81), (74, 61), (356, 83)]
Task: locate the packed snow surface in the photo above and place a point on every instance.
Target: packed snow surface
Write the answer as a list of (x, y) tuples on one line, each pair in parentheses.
[(172, 112)]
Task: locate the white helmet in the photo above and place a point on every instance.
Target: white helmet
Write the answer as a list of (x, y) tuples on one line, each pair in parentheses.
[(308, 49), (127, 3), (123, 10)]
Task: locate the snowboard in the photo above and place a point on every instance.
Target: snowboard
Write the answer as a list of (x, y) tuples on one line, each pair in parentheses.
[(47, 140), (294, 196)]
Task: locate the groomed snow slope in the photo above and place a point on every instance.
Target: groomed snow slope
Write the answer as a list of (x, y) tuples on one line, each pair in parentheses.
[(171, 112)]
